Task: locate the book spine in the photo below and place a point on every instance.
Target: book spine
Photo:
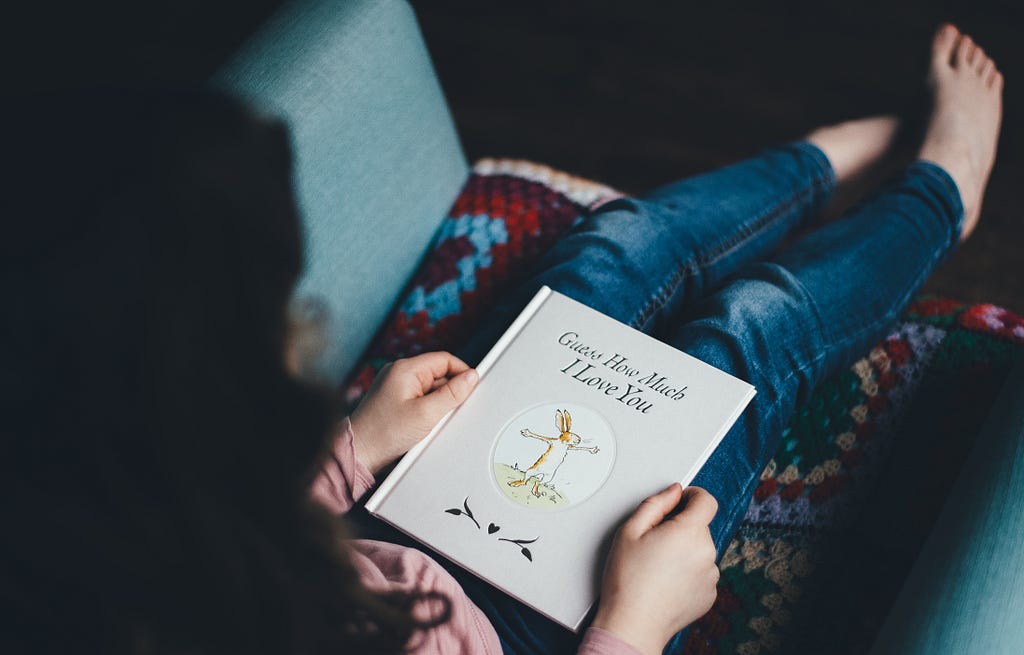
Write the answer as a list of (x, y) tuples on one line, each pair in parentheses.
[(713, 445), (513, 331), (379, 496)]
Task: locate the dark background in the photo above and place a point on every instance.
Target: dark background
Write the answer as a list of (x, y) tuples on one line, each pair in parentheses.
[(630, 93)]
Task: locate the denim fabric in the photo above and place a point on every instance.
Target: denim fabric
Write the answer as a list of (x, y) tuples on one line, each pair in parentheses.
[(697, 264)]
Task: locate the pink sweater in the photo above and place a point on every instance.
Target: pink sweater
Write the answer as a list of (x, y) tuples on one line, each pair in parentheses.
[(383, 566)]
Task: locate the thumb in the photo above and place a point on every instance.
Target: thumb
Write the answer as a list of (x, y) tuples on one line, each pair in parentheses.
[(699, 506), (449, 395), (653, 510)]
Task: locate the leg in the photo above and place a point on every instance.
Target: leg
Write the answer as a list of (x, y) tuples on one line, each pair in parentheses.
[(638, 260), (786, 325), (642, 260)]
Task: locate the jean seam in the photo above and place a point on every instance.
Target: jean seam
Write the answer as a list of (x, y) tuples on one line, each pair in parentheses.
[(832, 344), (940, 175), (707, 258), (763, 455), (744, 505), (892, 311), (759, 225)]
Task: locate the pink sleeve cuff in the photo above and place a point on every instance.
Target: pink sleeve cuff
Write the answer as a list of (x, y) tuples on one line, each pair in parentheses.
[(343, 479), (597, 641)]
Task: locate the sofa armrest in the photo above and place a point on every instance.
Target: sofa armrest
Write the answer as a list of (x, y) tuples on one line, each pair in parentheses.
[(377, 159), (965, 593)]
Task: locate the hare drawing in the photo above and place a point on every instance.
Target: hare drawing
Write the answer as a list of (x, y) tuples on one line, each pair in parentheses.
[(544, 469)]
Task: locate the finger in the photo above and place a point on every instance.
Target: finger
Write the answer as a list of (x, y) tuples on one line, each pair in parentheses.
[(378, 379), (653, 510), (699, 506), (448, 396), (428, 367)]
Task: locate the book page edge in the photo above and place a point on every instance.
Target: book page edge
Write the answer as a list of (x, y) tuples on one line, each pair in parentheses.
[(713, 445)]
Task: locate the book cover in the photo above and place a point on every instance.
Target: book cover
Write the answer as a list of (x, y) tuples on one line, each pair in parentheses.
[(576, 419)]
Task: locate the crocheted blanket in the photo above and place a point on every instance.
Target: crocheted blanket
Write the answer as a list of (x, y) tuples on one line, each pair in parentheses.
[(860, 473)]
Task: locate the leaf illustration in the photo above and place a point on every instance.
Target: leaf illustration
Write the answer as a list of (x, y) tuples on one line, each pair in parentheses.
[(519, 542), (455, 511), (491, 529)]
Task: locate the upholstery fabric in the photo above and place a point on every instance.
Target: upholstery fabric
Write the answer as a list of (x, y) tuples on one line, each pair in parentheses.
[(377, 159), (964, 592)]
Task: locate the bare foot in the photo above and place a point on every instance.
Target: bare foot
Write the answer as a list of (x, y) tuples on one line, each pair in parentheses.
[(855, 146), (964, 127)]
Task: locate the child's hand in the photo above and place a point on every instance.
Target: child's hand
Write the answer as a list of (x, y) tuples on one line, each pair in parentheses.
[(661, 573), (406, 400)]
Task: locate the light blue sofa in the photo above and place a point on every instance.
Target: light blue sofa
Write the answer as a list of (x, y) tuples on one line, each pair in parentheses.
[(965, 593), (378, 163)]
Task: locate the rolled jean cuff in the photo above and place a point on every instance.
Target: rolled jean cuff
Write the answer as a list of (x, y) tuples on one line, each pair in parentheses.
[(826, 176), (944, 185)]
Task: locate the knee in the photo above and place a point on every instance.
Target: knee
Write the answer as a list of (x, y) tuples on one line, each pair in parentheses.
[(620, 236), (762, 328), (625, 221)]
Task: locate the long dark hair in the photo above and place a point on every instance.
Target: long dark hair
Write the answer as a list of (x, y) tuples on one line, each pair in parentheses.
[(156, 452)]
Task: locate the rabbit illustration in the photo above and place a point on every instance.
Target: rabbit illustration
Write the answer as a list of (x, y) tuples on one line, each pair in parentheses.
[(544, 469)]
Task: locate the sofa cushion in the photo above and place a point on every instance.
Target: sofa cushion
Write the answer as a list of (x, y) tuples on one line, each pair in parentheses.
[(377, 159), (964, 594)]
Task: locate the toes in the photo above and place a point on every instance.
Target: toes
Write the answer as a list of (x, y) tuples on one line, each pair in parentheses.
[(986, 69), (972, 53), (942, 45), (997, 81), (980, 59), (964, 51)]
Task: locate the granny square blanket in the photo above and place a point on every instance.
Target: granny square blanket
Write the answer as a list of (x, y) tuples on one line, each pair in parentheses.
[(862, 469)]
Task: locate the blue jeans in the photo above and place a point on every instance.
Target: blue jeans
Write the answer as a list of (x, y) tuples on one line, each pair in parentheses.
[(697, 264)]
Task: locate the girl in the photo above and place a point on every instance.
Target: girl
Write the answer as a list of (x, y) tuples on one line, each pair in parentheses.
[(171, 487)]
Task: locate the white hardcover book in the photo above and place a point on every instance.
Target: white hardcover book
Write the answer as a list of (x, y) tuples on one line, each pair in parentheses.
[(576, 419)]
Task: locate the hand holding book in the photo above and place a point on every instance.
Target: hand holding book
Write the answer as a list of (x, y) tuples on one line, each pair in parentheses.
[(407, 399), (575, 419), (661, 573)]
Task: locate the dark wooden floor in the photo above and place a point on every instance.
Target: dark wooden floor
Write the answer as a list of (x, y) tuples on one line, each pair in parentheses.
[(631, 93)]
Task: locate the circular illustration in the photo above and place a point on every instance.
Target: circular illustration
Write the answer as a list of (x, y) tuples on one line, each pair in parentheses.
[(553, 455)]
